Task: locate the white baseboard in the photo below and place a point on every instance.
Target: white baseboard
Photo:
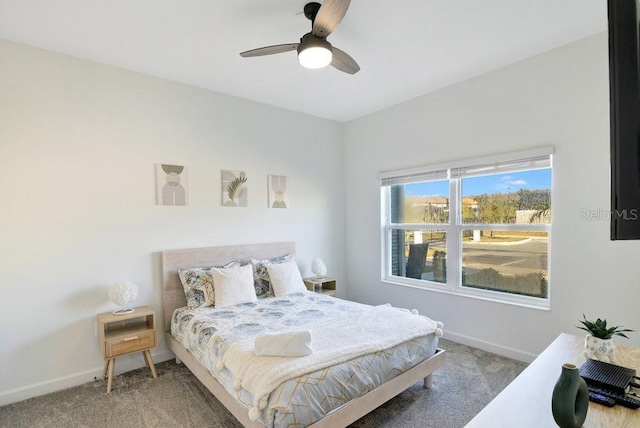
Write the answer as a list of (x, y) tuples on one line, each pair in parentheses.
[(505, 351), (123, 365)]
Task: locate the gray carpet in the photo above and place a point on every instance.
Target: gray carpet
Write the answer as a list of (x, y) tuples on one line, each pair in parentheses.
[(467, 382)]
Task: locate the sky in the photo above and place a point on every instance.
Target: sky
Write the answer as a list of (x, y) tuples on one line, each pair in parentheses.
[(495, 183)]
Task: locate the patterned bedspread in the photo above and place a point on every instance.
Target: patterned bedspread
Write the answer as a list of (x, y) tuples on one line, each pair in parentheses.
[(208, 332)]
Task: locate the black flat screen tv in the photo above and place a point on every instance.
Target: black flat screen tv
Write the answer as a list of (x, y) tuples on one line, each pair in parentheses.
[(624, 71)]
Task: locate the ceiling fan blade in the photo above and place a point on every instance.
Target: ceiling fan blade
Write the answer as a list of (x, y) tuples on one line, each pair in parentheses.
[(270, 50), (329, 16), (343, 62)]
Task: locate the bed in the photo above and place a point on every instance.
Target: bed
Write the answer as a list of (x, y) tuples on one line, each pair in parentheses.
[(409, 361)]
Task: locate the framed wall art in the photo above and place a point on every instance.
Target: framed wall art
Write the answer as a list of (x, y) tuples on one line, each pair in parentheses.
[(171, 184), (277, 190), (234, 188)]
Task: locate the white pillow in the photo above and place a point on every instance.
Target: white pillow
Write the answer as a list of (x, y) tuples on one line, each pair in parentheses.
[(233, 286), (285, 278)]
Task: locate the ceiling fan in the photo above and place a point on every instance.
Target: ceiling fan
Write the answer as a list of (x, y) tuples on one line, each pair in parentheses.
[(314, 51)]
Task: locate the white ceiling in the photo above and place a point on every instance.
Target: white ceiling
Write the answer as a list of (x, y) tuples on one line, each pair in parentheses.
[(405, 48)]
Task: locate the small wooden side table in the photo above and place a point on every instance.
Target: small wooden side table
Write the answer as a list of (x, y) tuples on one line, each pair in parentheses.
[(324, 285), (125, 334)]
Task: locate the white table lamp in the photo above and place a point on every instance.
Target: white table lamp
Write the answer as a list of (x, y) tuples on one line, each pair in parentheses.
[(121, 293), (318, 267)]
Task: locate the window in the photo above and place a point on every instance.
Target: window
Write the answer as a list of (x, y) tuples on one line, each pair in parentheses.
[(477, 227)]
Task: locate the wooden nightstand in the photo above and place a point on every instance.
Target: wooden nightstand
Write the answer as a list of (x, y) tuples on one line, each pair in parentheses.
[(125, 334), (323, 285)]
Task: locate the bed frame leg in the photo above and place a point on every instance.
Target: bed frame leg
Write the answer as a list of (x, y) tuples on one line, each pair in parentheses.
[(178, 360), (428, 382)]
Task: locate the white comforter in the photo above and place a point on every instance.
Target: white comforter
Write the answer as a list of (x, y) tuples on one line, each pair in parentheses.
[(335, 340)]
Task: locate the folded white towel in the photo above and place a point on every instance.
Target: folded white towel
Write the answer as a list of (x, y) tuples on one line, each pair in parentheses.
[(288, 344)]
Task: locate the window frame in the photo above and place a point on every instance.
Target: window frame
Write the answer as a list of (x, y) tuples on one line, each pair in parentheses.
[(530, 159)]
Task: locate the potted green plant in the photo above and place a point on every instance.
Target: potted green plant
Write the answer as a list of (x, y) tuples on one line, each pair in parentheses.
[(598, 344)]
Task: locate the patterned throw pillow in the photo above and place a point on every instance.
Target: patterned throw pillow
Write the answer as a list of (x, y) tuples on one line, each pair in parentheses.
[(198, 285), (261, 276)]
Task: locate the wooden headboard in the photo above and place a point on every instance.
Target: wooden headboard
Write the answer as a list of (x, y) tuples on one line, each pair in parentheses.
[(172, 260)]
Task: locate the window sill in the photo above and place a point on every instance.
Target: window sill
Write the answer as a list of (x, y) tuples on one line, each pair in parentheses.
[(486, 295)]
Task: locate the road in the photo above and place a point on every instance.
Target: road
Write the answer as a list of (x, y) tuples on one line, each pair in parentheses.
[(508, 258)]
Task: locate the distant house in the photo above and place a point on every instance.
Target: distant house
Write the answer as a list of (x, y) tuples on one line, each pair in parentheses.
[(436, 201), (471, 203)]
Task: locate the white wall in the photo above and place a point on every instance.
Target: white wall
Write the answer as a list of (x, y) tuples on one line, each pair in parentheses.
[(559, 98), (78, 144)]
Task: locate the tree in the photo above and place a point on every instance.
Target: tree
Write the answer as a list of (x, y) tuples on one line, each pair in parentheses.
[(496, 208), (536, 200), (533, 199)]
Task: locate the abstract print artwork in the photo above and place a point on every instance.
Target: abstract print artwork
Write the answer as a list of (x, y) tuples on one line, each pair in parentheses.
[(278, 196), (172, 184), (234, 188)]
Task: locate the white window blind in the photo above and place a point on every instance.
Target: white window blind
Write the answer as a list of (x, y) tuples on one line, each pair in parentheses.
[(416, 177), (538, 162), (537, 158)]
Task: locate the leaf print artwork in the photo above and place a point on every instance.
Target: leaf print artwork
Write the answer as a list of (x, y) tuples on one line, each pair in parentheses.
[(234, 188)]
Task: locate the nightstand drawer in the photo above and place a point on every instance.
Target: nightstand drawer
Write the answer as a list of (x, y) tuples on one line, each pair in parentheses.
[(130, 343)]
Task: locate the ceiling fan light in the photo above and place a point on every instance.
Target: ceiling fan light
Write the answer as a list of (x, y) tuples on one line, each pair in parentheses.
[(315, 57), (314, 51)]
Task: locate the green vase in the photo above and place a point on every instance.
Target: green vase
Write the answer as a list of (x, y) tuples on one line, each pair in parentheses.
[(570, 399)]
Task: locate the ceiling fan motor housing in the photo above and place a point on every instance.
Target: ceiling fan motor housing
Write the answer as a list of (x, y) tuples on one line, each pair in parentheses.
[(311, 10)]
